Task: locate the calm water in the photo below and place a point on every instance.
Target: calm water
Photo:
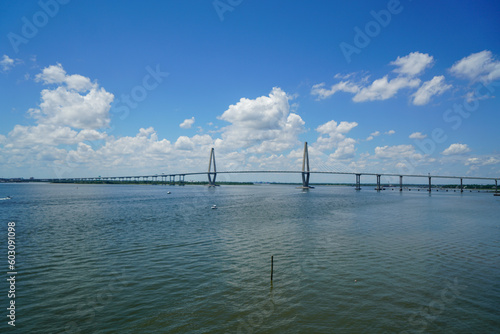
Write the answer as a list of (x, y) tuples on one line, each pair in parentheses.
[(134, 259)]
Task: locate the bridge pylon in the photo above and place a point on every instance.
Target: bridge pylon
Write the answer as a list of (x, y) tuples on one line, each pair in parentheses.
[(212, 175), (358, 182), (306, 172)]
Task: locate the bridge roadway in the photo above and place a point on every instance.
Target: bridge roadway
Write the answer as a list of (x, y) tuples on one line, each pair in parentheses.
[(279, 172), (305, 172), (358, 175)]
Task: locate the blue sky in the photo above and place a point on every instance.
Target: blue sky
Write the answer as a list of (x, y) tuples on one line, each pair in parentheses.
[(124, 88)]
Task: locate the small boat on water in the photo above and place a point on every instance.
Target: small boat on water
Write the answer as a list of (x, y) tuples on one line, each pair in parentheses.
[(168, 192), (214, 207)]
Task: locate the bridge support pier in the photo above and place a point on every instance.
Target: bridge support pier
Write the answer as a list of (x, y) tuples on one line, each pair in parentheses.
[(305, 169), (400, 182), (212, 175), (378, 183), (461, 185), (496, 186), (429, 184), (172, 180), (181, 179), (358, 182)]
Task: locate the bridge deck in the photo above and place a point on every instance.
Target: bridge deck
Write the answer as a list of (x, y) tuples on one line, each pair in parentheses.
[(285, 172)]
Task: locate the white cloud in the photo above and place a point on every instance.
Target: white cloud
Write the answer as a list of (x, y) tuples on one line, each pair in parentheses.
[(373, 135), (345, 149), (434, 87), (477, 66), (397, 152), (343, 86), (190, 143), (68, 105), (333, 135), (187, 123), (482, 161), (48, 134), (184, 143), (332, 128), (6, 63), (456, 149), (401, 165), (264, 124), (407, 68), (413, 64), (383, 89), (343, 76), (417, 135), (55, 74), (390, 132), (142, 151)]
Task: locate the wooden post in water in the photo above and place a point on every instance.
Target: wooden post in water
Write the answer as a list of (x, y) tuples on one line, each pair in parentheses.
[(272, 268)]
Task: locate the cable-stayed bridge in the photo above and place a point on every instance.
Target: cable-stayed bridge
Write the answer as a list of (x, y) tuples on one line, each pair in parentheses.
[(305, 174)]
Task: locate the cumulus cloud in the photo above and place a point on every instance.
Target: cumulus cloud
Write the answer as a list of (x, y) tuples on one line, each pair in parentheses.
[(434, 87), (55, 74), (333, 129), (48, 134), (373, 135), (390, 132), (482, 161), (397, 152), (6, 63), (417, 135), (343, 86), (408, 68), (187, 123), (345, 149), (333, 135), (264, 124), (190, 143), (456, 149), (481, 66), (140, 151), (413, 64), (75, 102), (69, 115), (383, 89)]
